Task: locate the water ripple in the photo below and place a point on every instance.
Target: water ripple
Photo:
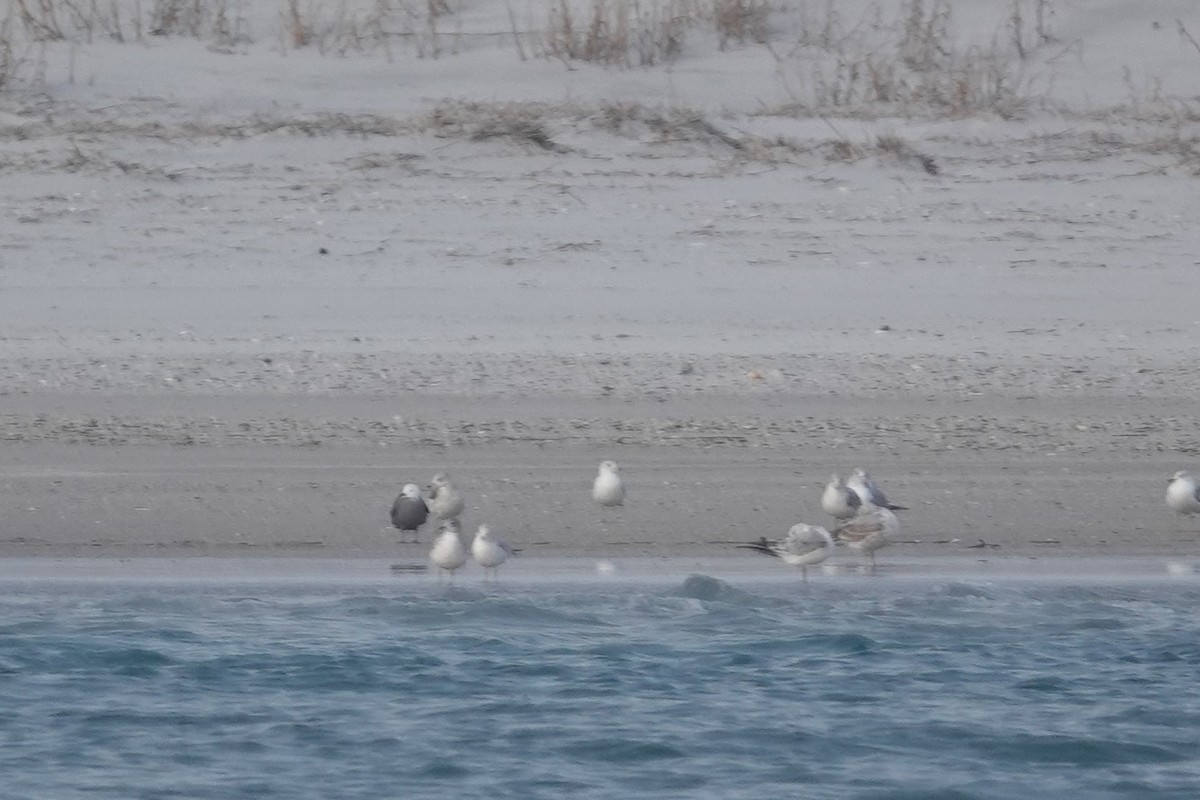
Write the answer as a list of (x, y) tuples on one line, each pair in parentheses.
[(702, 688)]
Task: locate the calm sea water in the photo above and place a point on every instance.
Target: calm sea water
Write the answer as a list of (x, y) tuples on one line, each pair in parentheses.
[(686, 688)]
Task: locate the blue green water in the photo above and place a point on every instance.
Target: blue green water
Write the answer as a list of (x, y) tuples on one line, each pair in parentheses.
[(689, 688)]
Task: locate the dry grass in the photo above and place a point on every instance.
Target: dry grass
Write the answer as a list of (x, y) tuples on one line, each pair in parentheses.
[(335, 29), (617, 32), (887, 147), (1030, 26), (524, 123), (333, 26), (898, 149), (1180, 144), (641, 33), (648, 134), (8, 58), (427, 28), (223, 22), (893, 58), (909, 64), (657, 129), (40, 19), (741, 21), (518, 128), (692, 127)]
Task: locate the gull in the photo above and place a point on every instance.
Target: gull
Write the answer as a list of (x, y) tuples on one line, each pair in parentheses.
[(448, 552), (803, 546), (869, 531), (409, 511), (489, 551), (839, 500), (868, 491), (1183, 494), (445, 501), (607, 489)]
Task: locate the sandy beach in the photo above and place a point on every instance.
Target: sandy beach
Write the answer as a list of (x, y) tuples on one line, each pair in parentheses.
[(236, 316), (305, 475)]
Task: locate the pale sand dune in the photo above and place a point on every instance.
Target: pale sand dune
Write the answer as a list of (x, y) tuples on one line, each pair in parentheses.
[(235, 314)]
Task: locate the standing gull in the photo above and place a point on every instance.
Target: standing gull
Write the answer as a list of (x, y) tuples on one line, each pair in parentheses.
[(869, 531), (803, 546), (490, 551), (607, 489), (409, 511), (1183, 494), (448, 552), (869, 492), (839, 500), (445, 501)]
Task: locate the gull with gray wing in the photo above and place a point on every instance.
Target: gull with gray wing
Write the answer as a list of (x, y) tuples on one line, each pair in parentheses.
[(409, 511), (869, 492), (839, 500), (489, 551), (445, 500), (448, 552), (869, 531), (804, 546)]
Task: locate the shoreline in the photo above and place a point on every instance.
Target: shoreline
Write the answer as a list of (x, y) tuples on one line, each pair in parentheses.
[(305, 476), (195, 501), (532, 572)]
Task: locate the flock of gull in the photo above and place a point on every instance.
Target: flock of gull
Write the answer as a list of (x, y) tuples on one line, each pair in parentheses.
[(865, 520), (445, 503)]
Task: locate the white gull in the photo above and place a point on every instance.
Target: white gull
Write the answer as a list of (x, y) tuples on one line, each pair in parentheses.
[(804, 546), (869, 492), (448, 552), (1183, 494), (607, 489), (839, 500), (489, 551), (445, 501)]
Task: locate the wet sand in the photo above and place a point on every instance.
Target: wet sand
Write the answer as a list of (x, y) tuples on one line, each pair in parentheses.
[(314, 476), (697, 574)]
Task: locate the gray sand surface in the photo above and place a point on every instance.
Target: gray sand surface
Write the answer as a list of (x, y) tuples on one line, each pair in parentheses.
[(303, 475)]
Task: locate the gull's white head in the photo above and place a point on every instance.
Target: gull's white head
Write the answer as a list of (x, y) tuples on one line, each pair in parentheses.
[(450, 525), (609, 466), (1182, 475), (834, 480), (440, 481), (809, 532), (859, 472), (411, 491), (484, 532)]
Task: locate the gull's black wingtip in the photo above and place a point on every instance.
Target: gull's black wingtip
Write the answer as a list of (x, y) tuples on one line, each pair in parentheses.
[(761, 546)]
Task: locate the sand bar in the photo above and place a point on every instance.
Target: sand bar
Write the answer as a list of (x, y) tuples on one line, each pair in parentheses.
[(237, 315)]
